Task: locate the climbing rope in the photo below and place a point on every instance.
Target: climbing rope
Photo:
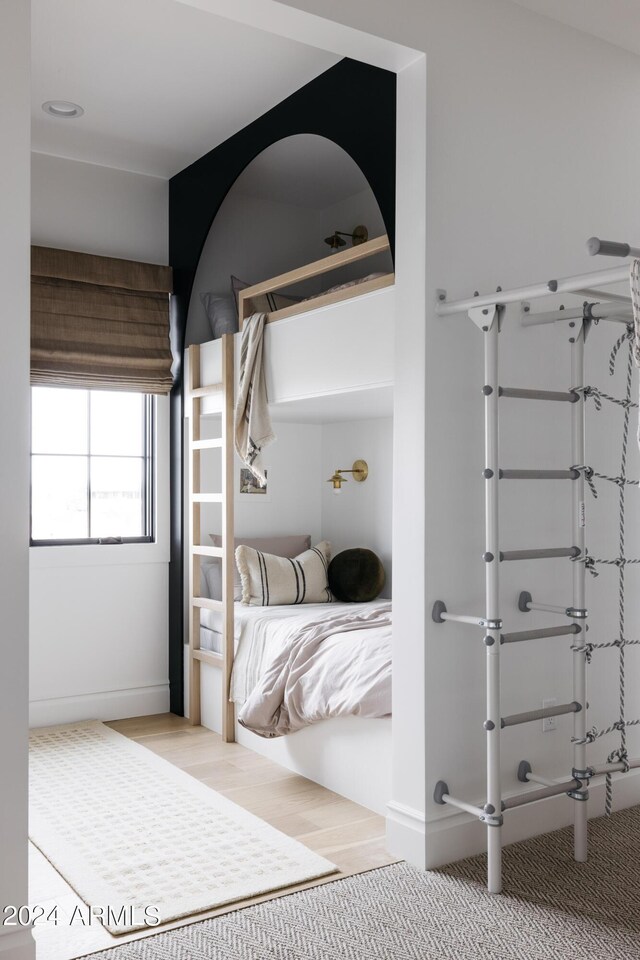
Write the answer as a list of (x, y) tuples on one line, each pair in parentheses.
[(621, 562)]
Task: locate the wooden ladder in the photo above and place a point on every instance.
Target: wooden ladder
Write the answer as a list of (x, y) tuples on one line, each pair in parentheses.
[(197, 550)]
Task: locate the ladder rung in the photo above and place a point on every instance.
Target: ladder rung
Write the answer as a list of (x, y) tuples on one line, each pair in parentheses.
[(541, 714), (206, 497), (211, 388), (539, 474), (206, 444), (540, 634), (207, 604), (540, 554), (209, 656), (568, 396), (207, 551)]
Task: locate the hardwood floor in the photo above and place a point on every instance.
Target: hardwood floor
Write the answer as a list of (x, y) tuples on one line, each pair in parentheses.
[(349, 835)]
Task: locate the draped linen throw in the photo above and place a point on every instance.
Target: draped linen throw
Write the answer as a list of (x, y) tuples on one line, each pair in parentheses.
[(99, 322), (635, 300), (253, 431)]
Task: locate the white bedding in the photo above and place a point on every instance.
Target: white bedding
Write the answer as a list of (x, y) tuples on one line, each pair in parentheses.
[(350, 673)]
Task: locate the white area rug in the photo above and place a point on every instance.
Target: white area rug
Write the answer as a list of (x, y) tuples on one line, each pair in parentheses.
[(130, 831)]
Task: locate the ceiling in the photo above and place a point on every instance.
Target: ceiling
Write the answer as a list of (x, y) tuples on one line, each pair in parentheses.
[(161, 82), (617, 21), (305, 170)]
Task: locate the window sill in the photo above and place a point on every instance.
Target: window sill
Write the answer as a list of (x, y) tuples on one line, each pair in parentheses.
[(98, 554)]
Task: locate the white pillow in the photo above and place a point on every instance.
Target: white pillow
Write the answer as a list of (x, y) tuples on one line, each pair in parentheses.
[(289, 546), (268, 580)]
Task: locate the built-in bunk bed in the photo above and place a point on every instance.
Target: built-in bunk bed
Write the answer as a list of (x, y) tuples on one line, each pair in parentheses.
[(333, 344)]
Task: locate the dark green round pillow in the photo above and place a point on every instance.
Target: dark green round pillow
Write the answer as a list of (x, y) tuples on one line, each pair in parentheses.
[(356, 576)]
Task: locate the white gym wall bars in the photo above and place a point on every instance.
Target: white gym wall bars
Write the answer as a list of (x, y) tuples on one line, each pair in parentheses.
[(486, 312)]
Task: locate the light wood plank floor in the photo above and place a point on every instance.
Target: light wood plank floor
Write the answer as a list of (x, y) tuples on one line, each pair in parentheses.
[(344, 832)]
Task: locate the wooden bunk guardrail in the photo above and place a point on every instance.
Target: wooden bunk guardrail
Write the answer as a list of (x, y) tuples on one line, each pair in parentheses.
[(316, 269)]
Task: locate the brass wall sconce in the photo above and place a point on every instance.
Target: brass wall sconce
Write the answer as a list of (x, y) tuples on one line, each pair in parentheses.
[(360, 471), (359, 235)]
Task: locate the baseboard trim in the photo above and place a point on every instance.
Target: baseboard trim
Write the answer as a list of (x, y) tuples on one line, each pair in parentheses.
[(406, 831), (454, 837), (108, 705), (17, 944)]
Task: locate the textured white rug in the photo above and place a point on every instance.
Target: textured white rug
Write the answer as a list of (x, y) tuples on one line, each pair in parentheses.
[(129, 831)]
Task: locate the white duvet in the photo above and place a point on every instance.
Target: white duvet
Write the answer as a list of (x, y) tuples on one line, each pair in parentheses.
[(294, 667)]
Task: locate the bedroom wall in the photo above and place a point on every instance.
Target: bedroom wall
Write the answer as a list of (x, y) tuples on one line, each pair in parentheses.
[(15, 943), (99, 614), (253, 239), (361, 515), (512, 195)]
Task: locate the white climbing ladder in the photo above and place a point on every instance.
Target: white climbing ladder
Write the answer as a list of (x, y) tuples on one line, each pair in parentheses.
[(487, 313)]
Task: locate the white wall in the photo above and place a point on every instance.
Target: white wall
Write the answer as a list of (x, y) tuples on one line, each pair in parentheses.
[(16, 944), (99, 645), (361, 515), (512, 194), (252, 239)]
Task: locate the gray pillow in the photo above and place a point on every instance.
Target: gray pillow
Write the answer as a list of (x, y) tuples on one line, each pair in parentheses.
[(280, 546), (221, 314)]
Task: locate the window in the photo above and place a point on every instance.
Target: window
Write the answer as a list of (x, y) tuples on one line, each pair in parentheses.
[(91, 466)]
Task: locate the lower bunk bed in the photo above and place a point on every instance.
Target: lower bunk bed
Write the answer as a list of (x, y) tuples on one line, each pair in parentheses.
[(311, 686)]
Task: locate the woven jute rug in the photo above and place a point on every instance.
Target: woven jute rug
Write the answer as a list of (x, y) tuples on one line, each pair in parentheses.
[(132, 833), (552, 909)]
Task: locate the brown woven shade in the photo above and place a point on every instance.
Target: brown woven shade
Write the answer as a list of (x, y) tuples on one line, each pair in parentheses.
[(99, 322)]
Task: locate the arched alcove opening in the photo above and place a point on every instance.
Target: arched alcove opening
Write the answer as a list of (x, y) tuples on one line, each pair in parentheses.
[(277, 216)]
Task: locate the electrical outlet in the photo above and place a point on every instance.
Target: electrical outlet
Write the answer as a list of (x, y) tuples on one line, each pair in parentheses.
[(549, 723)]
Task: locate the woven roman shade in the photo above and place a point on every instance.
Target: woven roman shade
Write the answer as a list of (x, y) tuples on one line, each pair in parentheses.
[(99, 322)]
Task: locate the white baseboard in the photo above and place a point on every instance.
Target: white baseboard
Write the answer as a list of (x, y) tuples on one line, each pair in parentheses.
[(406, 830), (17, 944), (459, 835), (110, 705)]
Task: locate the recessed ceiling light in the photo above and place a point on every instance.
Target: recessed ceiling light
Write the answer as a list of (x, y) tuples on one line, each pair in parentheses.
[(63, 109)]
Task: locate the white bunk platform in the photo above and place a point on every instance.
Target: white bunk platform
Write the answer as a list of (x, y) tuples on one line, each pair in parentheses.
[(320, 356)]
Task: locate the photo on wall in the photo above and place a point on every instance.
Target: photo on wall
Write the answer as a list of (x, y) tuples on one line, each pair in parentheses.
[(249, 486)]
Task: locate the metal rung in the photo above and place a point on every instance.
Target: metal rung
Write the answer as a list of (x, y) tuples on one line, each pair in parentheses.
[(540, 554), (207, 604), (540, 634), (207, 551), (542, 794), (530, 715), (617, 767), (526, 604), (211, 388), (207, 497), (209, 656), (569, 396), (207, 444), (539, 474)]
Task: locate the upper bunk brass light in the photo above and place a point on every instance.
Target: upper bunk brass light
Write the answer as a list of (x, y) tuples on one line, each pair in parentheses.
[(360, 471), (359, 235)]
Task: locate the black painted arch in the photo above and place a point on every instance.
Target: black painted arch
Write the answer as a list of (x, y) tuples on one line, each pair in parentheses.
[(352, 104)]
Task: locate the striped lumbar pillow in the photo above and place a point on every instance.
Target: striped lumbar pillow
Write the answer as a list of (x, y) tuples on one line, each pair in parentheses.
[(268, 580)]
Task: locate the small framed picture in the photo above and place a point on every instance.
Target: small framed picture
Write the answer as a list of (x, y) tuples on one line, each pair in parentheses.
[(249, 486)]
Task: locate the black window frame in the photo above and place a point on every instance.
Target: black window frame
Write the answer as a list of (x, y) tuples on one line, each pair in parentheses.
[(148, 487)]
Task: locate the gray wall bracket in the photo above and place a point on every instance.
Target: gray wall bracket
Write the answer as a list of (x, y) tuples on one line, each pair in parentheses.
[(440, 790), (437, 610), (524, 769), (524, 600)]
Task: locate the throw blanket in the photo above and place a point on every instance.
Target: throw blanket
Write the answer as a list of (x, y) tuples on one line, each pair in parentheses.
[(253, 430), (338, 664), (635, 299)]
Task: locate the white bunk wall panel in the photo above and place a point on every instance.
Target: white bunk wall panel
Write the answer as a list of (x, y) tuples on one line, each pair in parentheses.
[(335, 349)]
